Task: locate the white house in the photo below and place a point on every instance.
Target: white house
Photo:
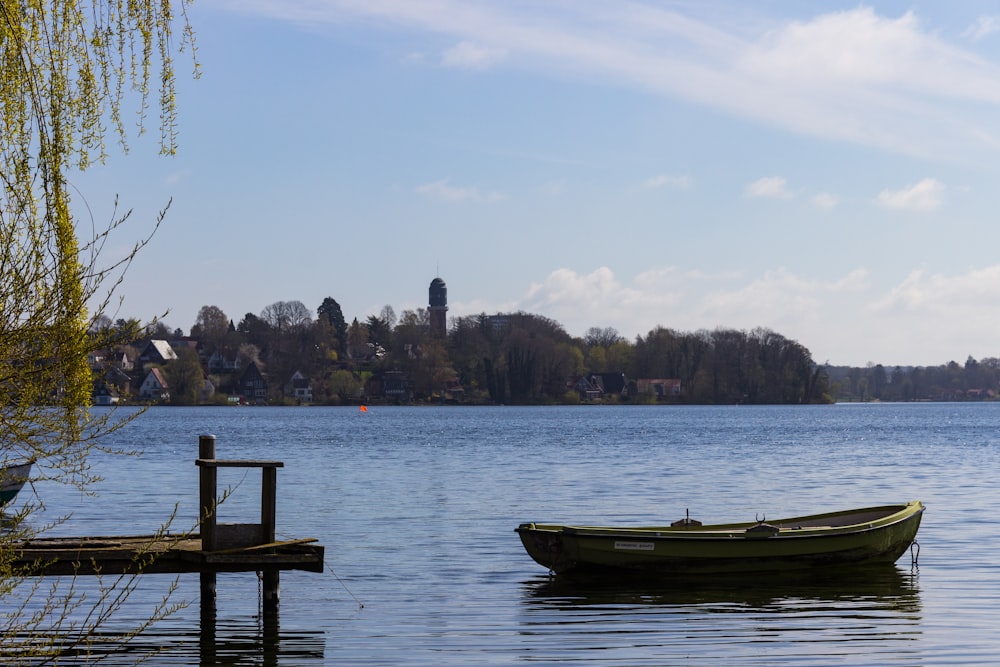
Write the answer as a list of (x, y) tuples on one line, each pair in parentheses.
[(155, 386)]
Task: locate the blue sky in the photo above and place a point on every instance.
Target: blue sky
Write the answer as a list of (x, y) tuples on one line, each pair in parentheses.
[(826, 170)]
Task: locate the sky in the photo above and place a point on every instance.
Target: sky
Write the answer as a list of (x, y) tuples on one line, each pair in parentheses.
[(828, 171)]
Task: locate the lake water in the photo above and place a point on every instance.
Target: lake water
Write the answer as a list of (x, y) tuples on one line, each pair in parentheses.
[(417, 509)]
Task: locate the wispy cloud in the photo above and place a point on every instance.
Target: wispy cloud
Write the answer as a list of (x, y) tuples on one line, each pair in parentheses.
[(825, 201), (983, 27), (445, 191), (923, 196), (469, 55), (853, 75), (770, 187), (667, 181)]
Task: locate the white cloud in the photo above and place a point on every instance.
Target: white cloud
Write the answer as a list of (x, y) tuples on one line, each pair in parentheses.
[(580, 301), (983, 27), (667, 180), (855, 47), (926, 319), (443, 190), (469, 55), (771, 187), (568, 287), (825, 201), (975, 293), (776, 298), (687, 300), (923, 196), (948, 317)]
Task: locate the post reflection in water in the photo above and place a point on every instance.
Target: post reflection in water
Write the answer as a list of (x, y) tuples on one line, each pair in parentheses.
[(262, 644), (233, 641), (811, 620)]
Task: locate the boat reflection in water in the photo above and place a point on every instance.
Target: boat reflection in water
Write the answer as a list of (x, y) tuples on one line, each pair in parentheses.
[(864, 612)]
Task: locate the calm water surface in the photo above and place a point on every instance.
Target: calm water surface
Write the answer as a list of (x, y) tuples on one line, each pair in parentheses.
[(417, 509)]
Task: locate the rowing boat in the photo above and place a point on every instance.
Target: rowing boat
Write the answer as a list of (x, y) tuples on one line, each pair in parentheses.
[(866, 535)]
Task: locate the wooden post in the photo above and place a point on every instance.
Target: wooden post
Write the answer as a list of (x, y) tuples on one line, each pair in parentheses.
[(268, 503), (207, 519), (208, 482), (270, 599), (268, 519)]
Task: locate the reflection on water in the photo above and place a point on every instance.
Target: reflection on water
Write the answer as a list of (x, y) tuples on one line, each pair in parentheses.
[(242, 641), (814, 620), (887, 585)]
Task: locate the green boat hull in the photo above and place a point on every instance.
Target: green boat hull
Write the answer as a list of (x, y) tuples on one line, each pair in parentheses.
[(869, 535)]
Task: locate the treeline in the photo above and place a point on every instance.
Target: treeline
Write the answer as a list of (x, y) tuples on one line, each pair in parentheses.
[(515, 358), (533, 356), (973, 381), (521, 358)]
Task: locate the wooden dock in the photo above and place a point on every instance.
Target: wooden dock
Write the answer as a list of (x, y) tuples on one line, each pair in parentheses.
[(218, 547), (163, 554)]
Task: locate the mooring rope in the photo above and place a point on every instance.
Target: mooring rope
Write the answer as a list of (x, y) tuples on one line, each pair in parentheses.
[(361, 605), (328, 568), (914, 553)]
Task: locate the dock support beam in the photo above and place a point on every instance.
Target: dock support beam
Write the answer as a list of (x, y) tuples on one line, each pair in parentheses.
[(207, 518), (270, 598)]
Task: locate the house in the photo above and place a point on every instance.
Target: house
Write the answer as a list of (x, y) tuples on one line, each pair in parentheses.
[(301, 389), (101, 359), (454, 392), (587, 390), (661, 389), (610, 383), (120, 360), (111, 386), (253, 386), (105, 395), (390, 384), (157, 352), (221, 361), (155, 386)]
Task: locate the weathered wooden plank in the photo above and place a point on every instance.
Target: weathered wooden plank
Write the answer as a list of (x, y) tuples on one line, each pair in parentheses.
[(61, 556), (272, 545)]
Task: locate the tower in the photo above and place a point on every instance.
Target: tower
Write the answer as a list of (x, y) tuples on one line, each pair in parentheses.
[(438, 307)]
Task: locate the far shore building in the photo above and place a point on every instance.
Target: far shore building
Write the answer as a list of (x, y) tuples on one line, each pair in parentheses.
[(155, 387)]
